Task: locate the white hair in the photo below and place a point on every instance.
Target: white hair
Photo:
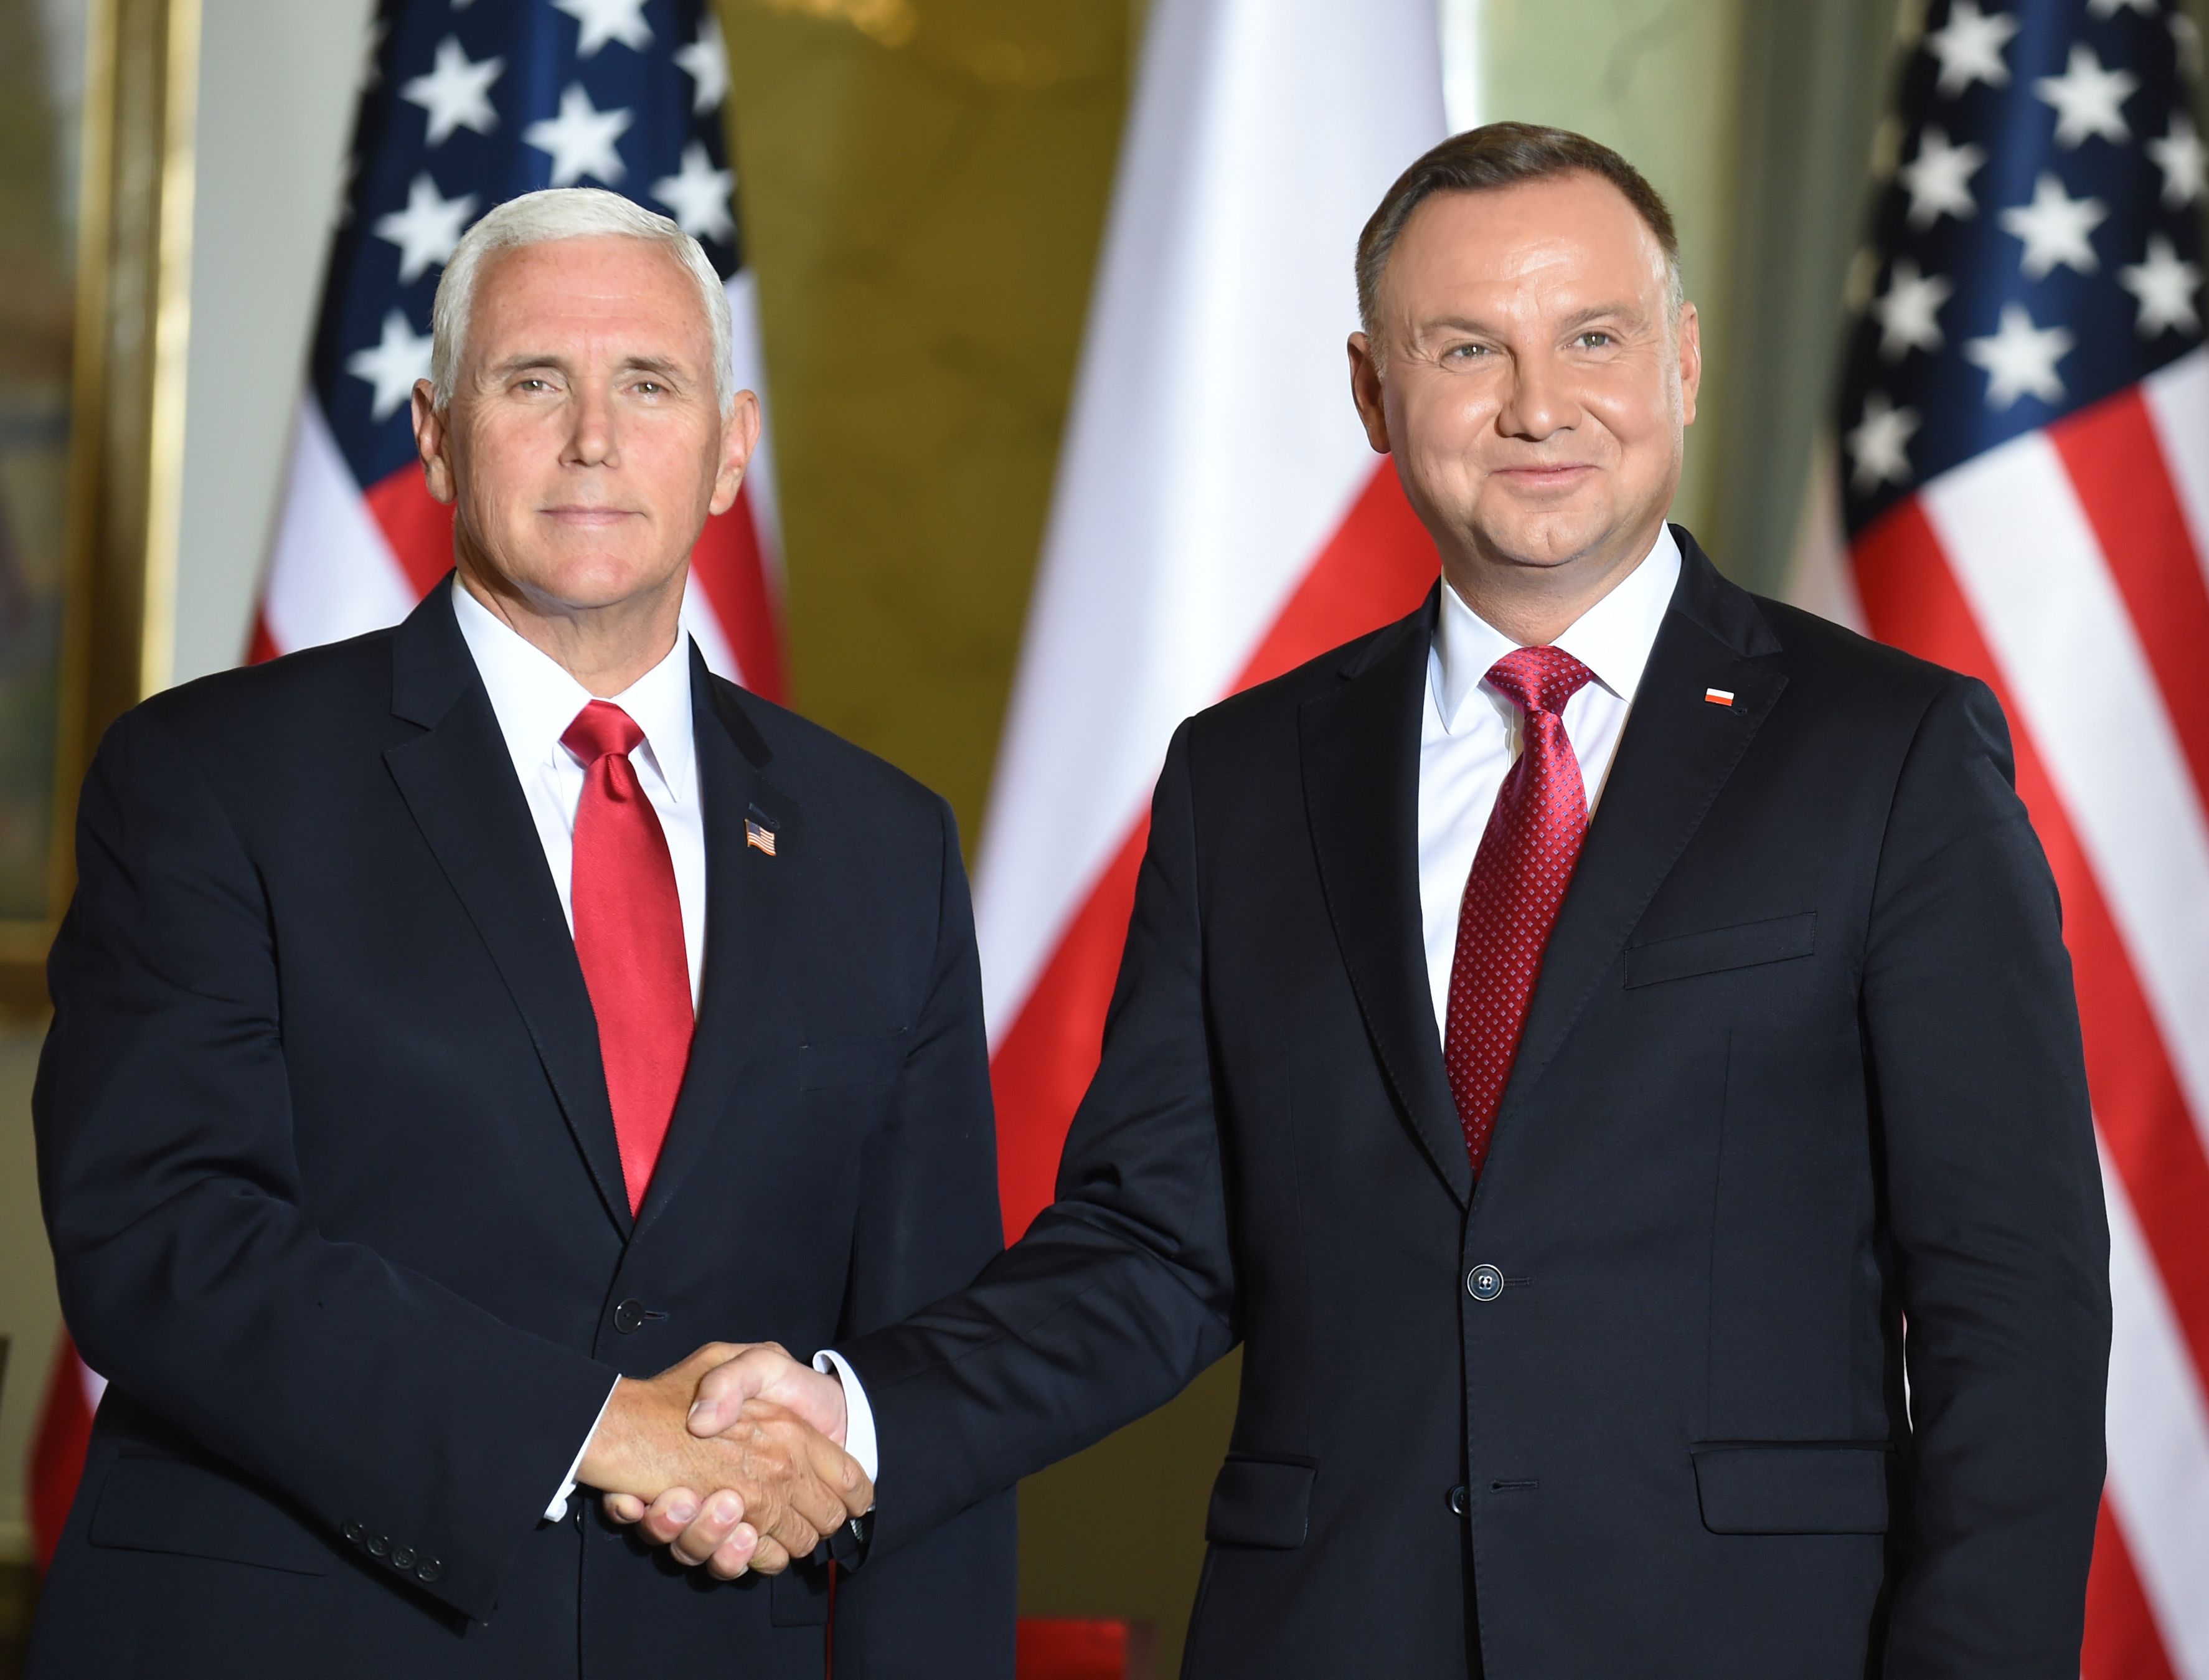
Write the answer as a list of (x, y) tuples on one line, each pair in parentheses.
[(567, 213)]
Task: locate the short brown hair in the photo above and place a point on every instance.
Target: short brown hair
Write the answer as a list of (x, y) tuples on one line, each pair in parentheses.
[(1504, 154)]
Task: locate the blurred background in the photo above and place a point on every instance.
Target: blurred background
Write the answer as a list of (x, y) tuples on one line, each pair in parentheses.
[(925, 188)]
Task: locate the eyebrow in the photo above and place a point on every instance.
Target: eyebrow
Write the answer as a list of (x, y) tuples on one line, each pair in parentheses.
[(1573, 323), (665, 367)]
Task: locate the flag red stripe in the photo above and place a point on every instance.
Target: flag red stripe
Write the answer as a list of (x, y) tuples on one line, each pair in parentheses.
[(2121, 1640), (418, 526), (261, 646), (58, 1450), (1913, 600), (1371, 571), (731, 567), (2117, 465)]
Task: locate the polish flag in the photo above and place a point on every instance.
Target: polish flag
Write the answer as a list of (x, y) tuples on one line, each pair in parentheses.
[(1218, 518)]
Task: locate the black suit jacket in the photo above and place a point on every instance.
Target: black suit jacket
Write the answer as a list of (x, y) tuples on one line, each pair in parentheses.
[(332, 1183), (1802, 1061)]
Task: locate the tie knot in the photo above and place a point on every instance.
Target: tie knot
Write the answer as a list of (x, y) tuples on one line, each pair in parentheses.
[(1538, 679), (599, 728)]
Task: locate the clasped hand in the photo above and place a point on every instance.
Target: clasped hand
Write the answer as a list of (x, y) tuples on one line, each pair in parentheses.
[(746, 1421)]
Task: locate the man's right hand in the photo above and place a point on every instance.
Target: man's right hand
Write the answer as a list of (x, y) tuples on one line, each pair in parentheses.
[(782, 1482)]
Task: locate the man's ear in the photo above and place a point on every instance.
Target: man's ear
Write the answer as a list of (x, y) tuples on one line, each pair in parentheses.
[(1365, 391), (432, 439), (740, 436), (1690, 335)]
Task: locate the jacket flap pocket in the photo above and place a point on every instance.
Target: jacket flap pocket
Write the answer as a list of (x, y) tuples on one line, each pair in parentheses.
[(1741, 947), (1789, 1487), (1261, 1502), (850, 1062), (150, 1504)]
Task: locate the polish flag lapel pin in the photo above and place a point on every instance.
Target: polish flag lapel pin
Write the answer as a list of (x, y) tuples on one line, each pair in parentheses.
[(1718, 696)]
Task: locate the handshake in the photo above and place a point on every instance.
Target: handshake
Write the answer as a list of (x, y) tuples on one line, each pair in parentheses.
[(759, 1433)]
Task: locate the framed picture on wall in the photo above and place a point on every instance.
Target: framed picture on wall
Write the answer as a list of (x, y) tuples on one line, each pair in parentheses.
[(95, 205)]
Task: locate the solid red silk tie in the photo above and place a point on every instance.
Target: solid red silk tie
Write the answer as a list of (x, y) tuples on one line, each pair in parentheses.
[(1518, 882), (628, 936)]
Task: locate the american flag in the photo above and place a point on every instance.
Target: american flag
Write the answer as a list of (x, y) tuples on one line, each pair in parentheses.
[(2024, 475), (469, 103)]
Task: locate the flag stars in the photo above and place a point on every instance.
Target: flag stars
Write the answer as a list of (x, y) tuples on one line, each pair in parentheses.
[(1879, 443), (1938, 180), (1909, 311), (2088, 99), (580, 140), (2183, 160), (699, 196), (602, 21), (2020, 358), (1969, 48), (455, 92), (2164, 285), (705, 61), (391, 365), (2111, 7), (2055, 227), (426, 230)]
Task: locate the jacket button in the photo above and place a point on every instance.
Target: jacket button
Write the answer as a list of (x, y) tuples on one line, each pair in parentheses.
[(1460, 1501), (1483, 1283), (377, 1545), (428, 1570), (403, 1558), (353, 1531), (629, 1317)]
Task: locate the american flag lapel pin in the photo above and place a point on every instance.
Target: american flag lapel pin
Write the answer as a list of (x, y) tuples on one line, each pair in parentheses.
[(758, 836), (1718, 696)]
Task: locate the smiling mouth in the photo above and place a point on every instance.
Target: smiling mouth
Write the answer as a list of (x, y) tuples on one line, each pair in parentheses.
[(589, 515)]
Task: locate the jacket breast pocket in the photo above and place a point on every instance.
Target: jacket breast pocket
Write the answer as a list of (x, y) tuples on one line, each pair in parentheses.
[(841, 1062), (1794, 1487), (1746, 946), (1261, 1502), (157, 1504)]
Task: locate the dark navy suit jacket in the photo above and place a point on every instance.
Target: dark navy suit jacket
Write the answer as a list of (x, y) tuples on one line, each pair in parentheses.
[(332, 1184), (1803, 1064)]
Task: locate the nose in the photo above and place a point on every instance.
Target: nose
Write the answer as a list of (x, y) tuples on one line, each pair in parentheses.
[(1539, 403), (591, 438)]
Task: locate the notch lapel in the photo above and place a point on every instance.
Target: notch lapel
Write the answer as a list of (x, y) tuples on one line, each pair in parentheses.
[(1676, 755), (743, 1014), (458, 780), (1360, 743)]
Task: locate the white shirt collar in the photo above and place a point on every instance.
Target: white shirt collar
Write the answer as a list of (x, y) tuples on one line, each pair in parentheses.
[(1612, 639), (535, 699)]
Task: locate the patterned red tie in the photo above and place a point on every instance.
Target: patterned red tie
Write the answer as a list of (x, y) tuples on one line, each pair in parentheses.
[(628, 936), (1519, 879)]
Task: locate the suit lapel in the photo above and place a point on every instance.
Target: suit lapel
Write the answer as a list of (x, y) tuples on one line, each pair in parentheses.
[(1361, 768), (457, 778), (1676, 753), (741, 1010)]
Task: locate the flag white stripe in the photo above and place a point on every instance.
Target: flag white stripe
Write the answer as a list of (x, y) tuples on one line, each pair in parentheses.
[(2028, 562), (1213, 447), (2158, 1435), (332, 574), (2177, 399), (705, 628)]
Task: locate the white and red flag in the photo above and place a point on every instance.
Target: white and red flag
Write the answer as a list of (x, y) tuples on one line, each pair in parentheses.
[(1218, 518), (466, 107), (2022, 486)]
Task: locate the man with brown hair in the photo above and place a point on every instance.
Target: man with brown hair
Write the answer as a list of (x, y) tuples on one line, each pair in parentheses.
[(1564, 1037)]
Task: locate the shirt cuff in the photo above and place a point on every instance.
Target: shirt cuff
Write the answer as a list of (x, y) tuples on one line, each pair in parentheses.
[(558, 1510), (858, 1415)]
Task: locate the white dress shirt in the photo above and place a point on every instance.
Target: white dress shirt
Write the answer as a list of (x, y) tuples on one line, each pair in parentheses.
[(1468, 739), (535, 700)]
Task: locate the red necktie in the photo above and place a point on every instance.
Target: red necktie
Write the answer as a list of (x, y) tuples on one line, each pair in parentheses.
[(628, 936), (1519, 879)]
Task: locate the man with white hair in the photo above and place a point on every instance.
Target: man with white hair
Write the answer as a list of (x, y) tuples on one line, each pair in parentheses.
[(457, 1025)]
